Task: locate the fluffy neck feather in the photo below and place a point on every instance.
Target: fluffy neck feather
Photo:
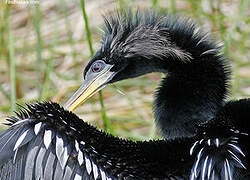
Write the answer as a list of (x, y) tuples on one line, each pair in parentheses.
[(192, 91)]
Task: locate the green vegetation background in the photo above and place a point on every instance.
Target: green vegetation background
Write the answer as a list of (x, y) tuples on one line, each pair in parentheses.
[(45, 46)]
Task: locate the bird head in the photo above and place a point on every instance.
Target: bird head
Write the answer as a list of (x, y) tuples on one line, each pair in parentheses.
[(133, 44)]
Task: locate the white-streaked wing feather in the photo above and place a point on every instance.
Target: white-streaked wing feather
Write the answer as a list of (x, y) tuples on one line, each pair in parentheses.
[(42, 155)]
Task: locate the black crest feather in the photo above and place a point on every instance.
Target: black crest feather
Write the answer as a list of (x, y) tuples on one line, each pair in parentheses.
[(150, 35)]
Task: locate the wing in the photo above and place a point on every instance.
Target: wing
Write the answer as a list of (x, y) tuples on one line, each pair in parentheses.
[(47, 142), (33, 149), (222, 149), (217, 158)]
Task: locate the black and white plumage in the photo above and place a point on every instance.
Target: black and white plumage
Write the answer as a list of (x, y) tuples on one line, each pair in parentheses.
[(203, 140), (47, 142), (223, 145)]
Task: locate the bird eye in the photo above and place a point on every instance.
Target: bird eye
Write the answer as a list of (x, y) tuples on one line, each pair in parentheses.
[(97, 66)]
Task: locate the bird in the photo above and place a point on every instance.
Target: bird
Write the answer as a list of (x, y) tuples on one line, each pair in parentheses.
[(194, 90), (205, 137)]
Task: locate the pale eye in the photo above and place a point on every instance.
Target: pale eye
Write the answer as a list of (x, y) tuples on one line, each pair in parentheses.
[(97, 66)]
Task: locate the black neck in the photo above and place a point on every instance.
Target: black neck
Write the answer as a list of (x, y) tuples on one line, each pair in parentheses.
[(193, 90)]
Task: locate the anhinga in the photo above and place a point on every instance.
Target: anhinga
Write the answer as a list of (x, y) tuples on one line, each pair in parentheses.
[(205, 137)]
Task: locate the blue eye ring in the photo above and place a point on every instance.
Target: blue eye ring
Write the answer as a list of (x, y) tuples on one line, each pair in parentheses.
[(97, 66)]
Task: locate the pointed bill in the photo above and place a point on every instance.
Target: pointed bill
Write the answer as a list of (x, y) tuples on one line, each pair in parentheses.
[(93, 83)]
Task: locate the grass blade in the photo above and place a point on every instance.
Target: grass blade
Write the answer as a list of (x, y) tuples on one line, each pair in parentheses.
[(38, 50), (106, 122), (122, 4), (11, 58), (4, 15), (173, 6), (154, 3)]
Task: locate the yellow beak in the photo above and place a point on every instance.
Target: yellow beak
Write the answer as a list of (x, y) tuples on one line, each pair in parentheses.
[(92, 84)]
